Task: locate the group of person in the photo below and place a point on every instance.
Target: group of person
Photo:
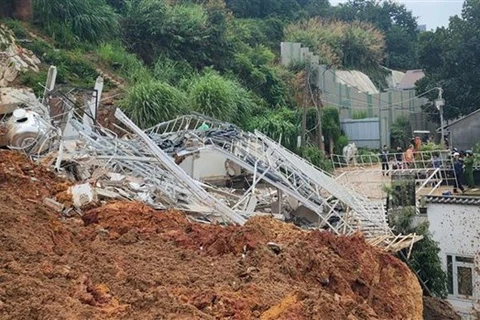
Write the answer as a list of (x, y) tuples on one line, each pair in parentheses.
[(401, 160), (462, 164)]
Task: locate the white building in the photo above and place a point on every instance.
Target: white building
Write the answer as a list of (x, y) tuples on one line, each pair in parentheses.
[(455, 224)]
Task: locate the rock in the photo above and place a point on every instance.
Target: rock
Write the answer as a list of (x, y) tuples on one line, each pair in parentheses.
[(276, 248)]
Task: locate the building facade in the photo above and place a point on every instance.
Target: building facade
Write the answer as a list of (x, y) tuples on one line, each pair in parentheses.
[(454, 223)]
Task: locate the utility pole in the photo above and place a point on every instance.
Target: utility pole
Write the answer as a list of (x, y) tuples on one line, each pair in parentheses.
[(440, 103), (320, 142), (305, 105)]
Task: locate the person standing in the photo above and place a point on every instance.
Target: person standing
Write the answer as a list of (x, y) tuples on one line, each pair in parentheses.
[(469, 169), (384, 159), (409, 157), (458, 169)]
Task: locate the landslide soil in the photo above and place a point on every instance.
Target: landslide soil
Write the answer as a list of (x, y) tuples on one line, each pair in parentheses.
[(124, 260)]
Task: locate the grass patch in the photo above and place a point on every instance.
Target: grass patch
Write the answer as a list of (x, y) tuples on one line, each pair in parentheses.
[(114, 56)]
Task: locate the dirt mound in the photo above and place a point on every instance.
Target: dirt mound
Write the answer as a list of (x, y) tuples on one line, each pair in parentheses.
[(127, 261), (435, 309)]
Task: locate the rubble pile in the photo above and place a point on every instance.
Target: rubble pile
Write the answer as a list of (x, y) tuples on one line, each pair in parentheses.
[(125, 260), (13, 58)]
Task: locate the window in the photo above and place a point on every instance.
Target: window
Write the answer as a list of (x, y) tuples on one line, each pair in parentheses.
[(460, 276)]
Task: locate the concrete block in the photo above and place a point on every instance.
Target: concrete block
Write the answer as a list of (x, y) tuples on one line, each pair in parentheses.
[(83, 194)]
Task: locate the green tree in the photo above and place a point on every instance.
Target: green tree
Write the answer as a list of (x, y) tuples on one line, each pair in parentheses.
[(424, 259), (401, 132), (331, 126), (394, 20), (354, 45), (449, 56)]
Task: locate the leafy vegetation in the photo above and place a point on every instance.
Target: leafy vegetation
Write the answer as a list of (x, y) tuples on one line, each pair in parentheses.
[(448, 56), (280, 125), (391, 18), (149, 103), (355, 45), (317, 158), (114, 55), (424, 258), (71, 21), (220, 97), (331, 127), (401, 132)]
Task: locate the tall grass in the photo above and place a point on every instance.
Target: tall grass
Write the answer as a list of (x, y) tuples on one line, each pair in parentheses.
[(151, 102), (219, 97), (70, 21), (114, 55), (174, 72)]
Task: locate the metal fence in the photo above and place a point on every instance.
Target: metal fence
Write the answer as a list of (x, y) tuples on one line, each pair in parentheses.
[(365, 133)]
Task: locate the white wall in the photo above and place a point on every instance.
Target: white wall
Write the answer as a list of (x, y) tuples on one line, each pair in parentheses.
[(208, 164), (456, 228)]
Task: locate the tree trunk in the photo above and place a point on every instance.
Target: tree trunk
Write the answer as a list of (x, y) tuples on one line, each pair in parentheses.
[(23, 10), (331, 142)]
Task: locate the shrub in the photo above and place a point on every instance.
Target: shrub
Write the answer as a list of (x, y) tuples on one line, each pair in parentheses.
[(279, 124), (176, 73), (341, 142), (317, 158), (351, 45), (152, 102), (401, 132), (424, 259), (219, 97)]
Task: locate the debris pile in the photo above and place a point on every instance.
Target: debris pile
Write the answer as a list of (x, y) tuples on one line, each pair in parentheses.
[(124, 260)]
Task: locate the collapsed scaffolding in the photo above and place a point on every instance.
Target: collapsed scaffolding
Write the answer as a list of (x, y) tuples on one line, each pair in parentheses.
[(142, 165)]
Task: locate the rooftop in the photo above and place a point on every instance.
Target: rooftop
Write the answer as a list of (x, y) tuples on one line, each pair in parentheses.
[(465, 200), (410, 78)]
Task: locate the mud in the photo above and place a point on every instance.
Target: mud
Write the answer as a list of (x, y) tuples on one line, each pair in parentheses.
[(124, 260)]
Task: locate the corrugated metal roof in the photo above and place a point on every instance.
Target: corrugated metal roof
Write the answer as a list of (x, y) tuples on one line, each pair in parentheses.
[(356, 79), (408, 81), (464, 200), (394, 78)]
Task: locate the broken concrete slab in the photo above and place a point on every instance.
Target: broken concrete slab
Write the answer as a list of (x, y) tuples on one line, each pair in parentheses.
[(107, 194), (13, 98)]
